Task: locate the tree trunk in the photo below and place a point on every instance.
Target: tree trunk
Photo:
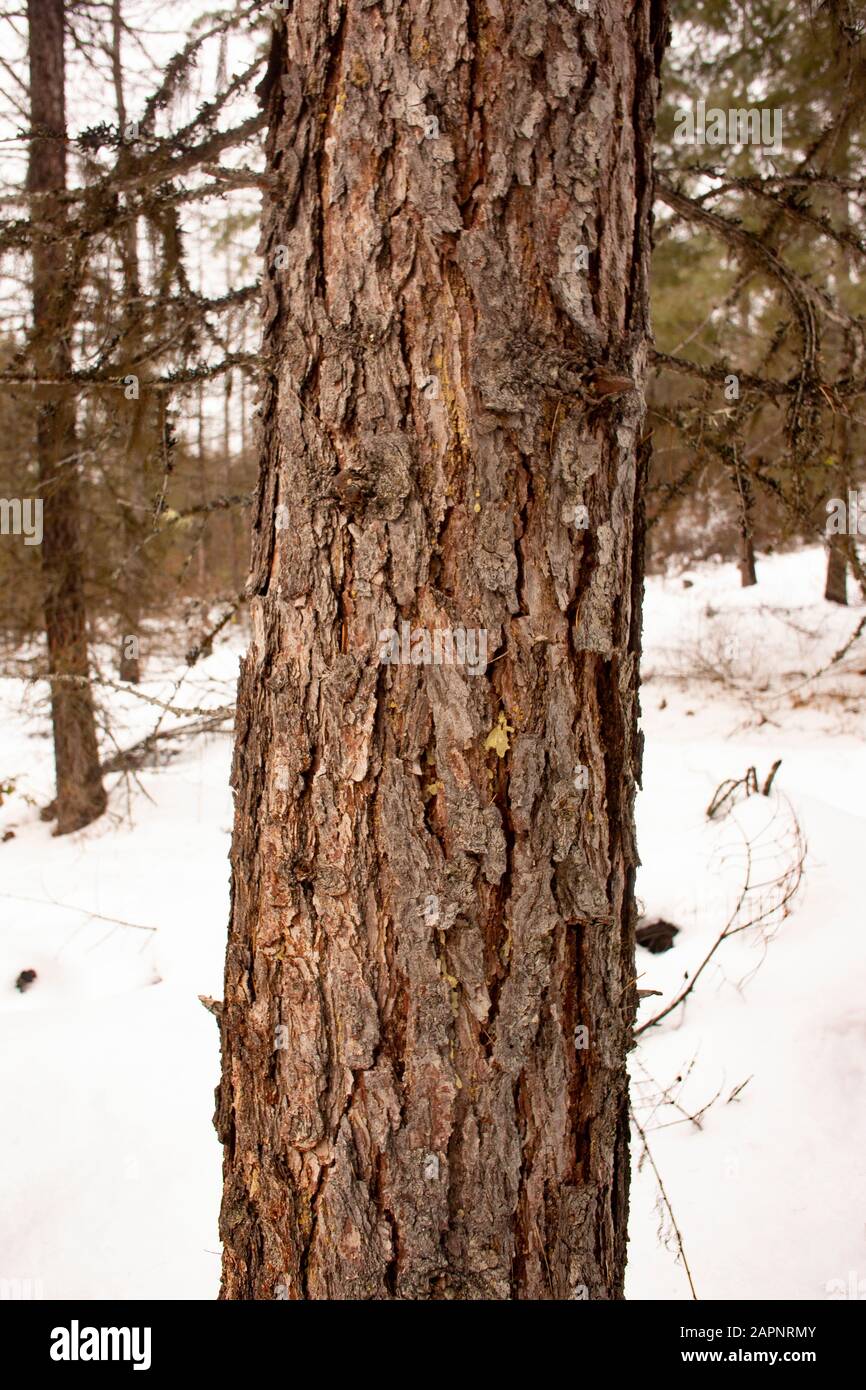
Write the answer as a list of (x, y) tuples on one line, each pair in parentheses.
[(205, 581), (841, 548), (430, 978), (836, 587), (742, 483), (134, 578), (80, 794), (748, 573)]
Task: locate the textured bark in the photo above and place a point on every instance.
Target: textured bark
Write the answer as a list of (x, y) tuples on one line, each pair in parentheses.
[(424, 917), (80, 794)]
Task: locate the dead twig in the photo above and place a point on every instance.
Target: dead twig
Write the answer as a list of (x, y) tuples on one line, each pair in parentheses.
[(784, 888), (85, 911), (666, 1200)]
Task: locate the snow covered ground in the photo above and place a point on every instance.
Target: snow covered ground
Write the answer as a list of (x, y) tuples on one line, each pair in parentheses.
[(750, 1096), (110, 1168), (768, 1188)]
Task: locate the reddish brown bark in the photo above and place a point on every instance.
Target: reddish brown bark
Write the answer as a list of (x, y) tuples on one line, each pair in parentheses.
[(80, 794), (430, 979)]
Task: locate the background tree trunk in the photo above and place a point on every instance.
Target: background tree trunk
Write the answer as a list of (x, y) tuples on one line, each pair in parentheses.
[(133, 512), (836, 587), (430, 979), (80, 794), (748, 573), (842, 548)]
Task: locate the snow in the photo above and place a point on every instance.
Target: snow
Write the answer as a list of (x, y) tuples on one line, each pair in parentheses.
[(110, 1166), (767, 1189), (108, 1062)]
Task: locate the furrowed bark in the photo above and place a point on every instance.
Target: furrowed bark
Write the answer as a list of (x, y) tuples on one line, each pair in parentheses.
[(80, 794), (429, 984)]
